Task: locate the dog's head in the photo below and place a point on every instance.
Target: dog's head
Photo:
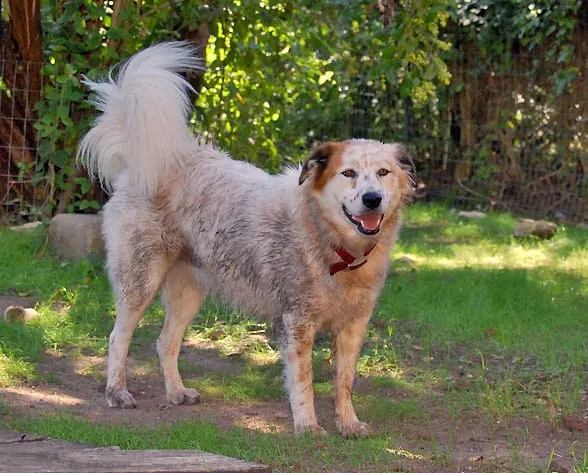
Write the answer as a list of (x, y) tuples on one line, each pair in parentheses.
[(359, 184)]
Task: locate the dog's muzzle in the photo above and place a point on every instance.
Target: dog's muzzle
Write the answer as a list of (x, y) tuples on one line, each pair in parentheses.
[(368, 223)]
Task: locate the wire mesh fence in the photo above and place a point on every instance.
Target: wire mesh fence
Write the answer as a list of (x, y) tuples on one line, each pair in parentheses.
[(506, 141), (18, 138)]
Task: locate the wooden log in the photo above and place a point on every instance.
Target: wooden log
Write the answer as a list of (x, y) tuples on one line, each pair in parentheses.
[(38, 454)]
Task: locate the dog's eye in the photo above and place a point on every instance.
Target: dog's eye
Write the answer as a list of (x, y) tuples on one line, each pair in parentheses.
[(383, 172), (349, 173)]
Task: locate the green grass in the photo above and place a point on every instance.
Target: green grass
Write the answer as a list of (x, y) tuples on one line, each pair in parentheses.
[(79, 290), (253, 384), (283, 451), (473, 281), (472, 322)]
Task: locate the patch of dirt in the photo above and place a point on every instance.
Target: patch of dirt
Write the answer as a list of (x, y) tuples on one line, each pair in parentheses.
[(436, 441)]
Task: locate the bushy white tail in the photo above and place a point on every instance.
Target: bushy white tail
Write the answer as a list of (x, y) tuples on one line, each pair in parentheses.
[(143, 127)]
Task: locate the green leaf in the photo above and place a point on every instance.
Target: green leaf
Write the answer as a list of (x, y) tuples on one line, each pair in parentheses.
[(564, 78), (566, 53), (117, 33), (325, 77)]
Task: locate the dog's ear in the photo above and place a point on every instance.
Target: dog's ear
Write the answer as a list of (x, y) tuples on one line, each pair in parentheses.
[(406, 167), (319, 159)]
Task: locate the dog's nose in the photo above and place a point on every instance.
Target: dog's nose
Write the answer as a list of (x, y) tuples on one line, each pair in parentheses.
[(371, 200)]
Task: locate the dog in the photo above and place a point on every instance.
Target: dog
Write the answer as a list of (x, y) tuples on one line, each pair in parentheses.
[(307, 249)]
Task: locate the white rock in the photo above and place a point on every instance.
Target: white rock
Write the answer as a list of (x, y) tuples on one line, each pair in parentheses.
[(25, 227), (19, 314), (471, 214)]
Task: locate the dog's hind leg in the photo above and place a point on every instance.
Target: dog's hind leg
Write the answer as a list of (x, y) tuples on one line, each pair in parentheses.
[(135, 283), (297, 356), (136, 268), (347, 343), (182, 296)]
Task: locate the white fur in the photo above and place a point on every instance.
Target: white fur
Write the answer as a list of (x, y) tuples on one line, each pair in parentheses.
[(187, 219), (129, 135)]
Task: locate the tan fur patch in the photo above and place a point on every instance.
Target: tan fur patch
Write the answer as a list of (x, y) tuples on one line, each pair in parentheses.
[(305, 373), (390, 223)]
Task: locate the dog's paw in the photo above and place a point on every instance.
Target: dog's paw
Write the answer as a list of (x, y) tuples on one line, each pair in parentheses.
[(314, 429), (120, 398), (354, 430), (183, 396)]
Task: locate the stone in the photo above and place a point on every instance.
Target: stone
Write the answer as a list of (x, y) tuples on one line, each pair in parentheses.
[(75, 237), (540, 228), (471, 214), (403, 261), (18, 314)]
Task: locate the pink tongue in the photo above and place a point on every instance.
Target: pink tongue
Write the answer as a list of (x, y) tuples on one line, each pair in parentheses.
[(369, 222)]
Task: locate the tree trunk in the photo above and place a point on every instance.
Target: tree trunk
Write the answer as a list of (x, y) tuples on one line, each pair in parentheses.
[(21, 55)]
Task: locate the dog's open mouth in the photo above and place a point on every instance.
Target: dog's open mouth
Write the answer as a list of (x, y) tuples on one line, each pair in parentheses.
[(367, 224)]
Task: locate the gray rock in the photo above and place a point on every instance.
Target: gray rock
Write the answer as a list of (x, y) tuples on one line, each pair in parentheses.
[(75, 237), (539, 228)]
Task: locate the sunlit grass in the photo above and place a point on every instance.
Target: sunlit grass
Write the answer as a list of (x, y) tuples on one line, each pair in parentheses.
[(241, 336), (437, 239), (492, 286), (13, 367), (471, 320), (252, 385), (377, 409)]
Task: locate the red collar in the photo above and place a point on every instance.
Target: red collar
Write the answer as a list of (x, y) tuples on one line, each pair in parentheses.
[(348, 260)]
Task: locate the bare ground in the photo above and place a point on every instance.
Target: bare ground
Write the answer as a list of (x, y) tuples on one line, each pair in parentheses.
[(441, 441)]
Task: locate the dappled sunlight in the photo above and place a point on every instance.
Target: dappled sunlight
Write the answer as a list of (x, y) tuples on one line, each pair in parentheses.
[(263, 358), (53, 307), (437, 239), (396, 378), (401, 380), (259, 424), (402, 452), (494, 257), (251, 346), (253, 384), (12, 370), (36, 395), (210, 387), (145, 369), (89, 365)]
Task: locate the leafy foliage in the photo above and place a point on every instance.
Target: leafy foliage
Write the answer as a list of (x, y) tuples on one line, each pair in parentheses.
[(280, 75), (296, 75), (284, 75), (500, 29)]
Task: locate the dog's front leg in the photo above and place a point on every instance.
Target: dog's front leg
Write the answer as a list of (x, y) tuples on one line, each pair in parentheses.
[(297, 355), (347, 343)]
